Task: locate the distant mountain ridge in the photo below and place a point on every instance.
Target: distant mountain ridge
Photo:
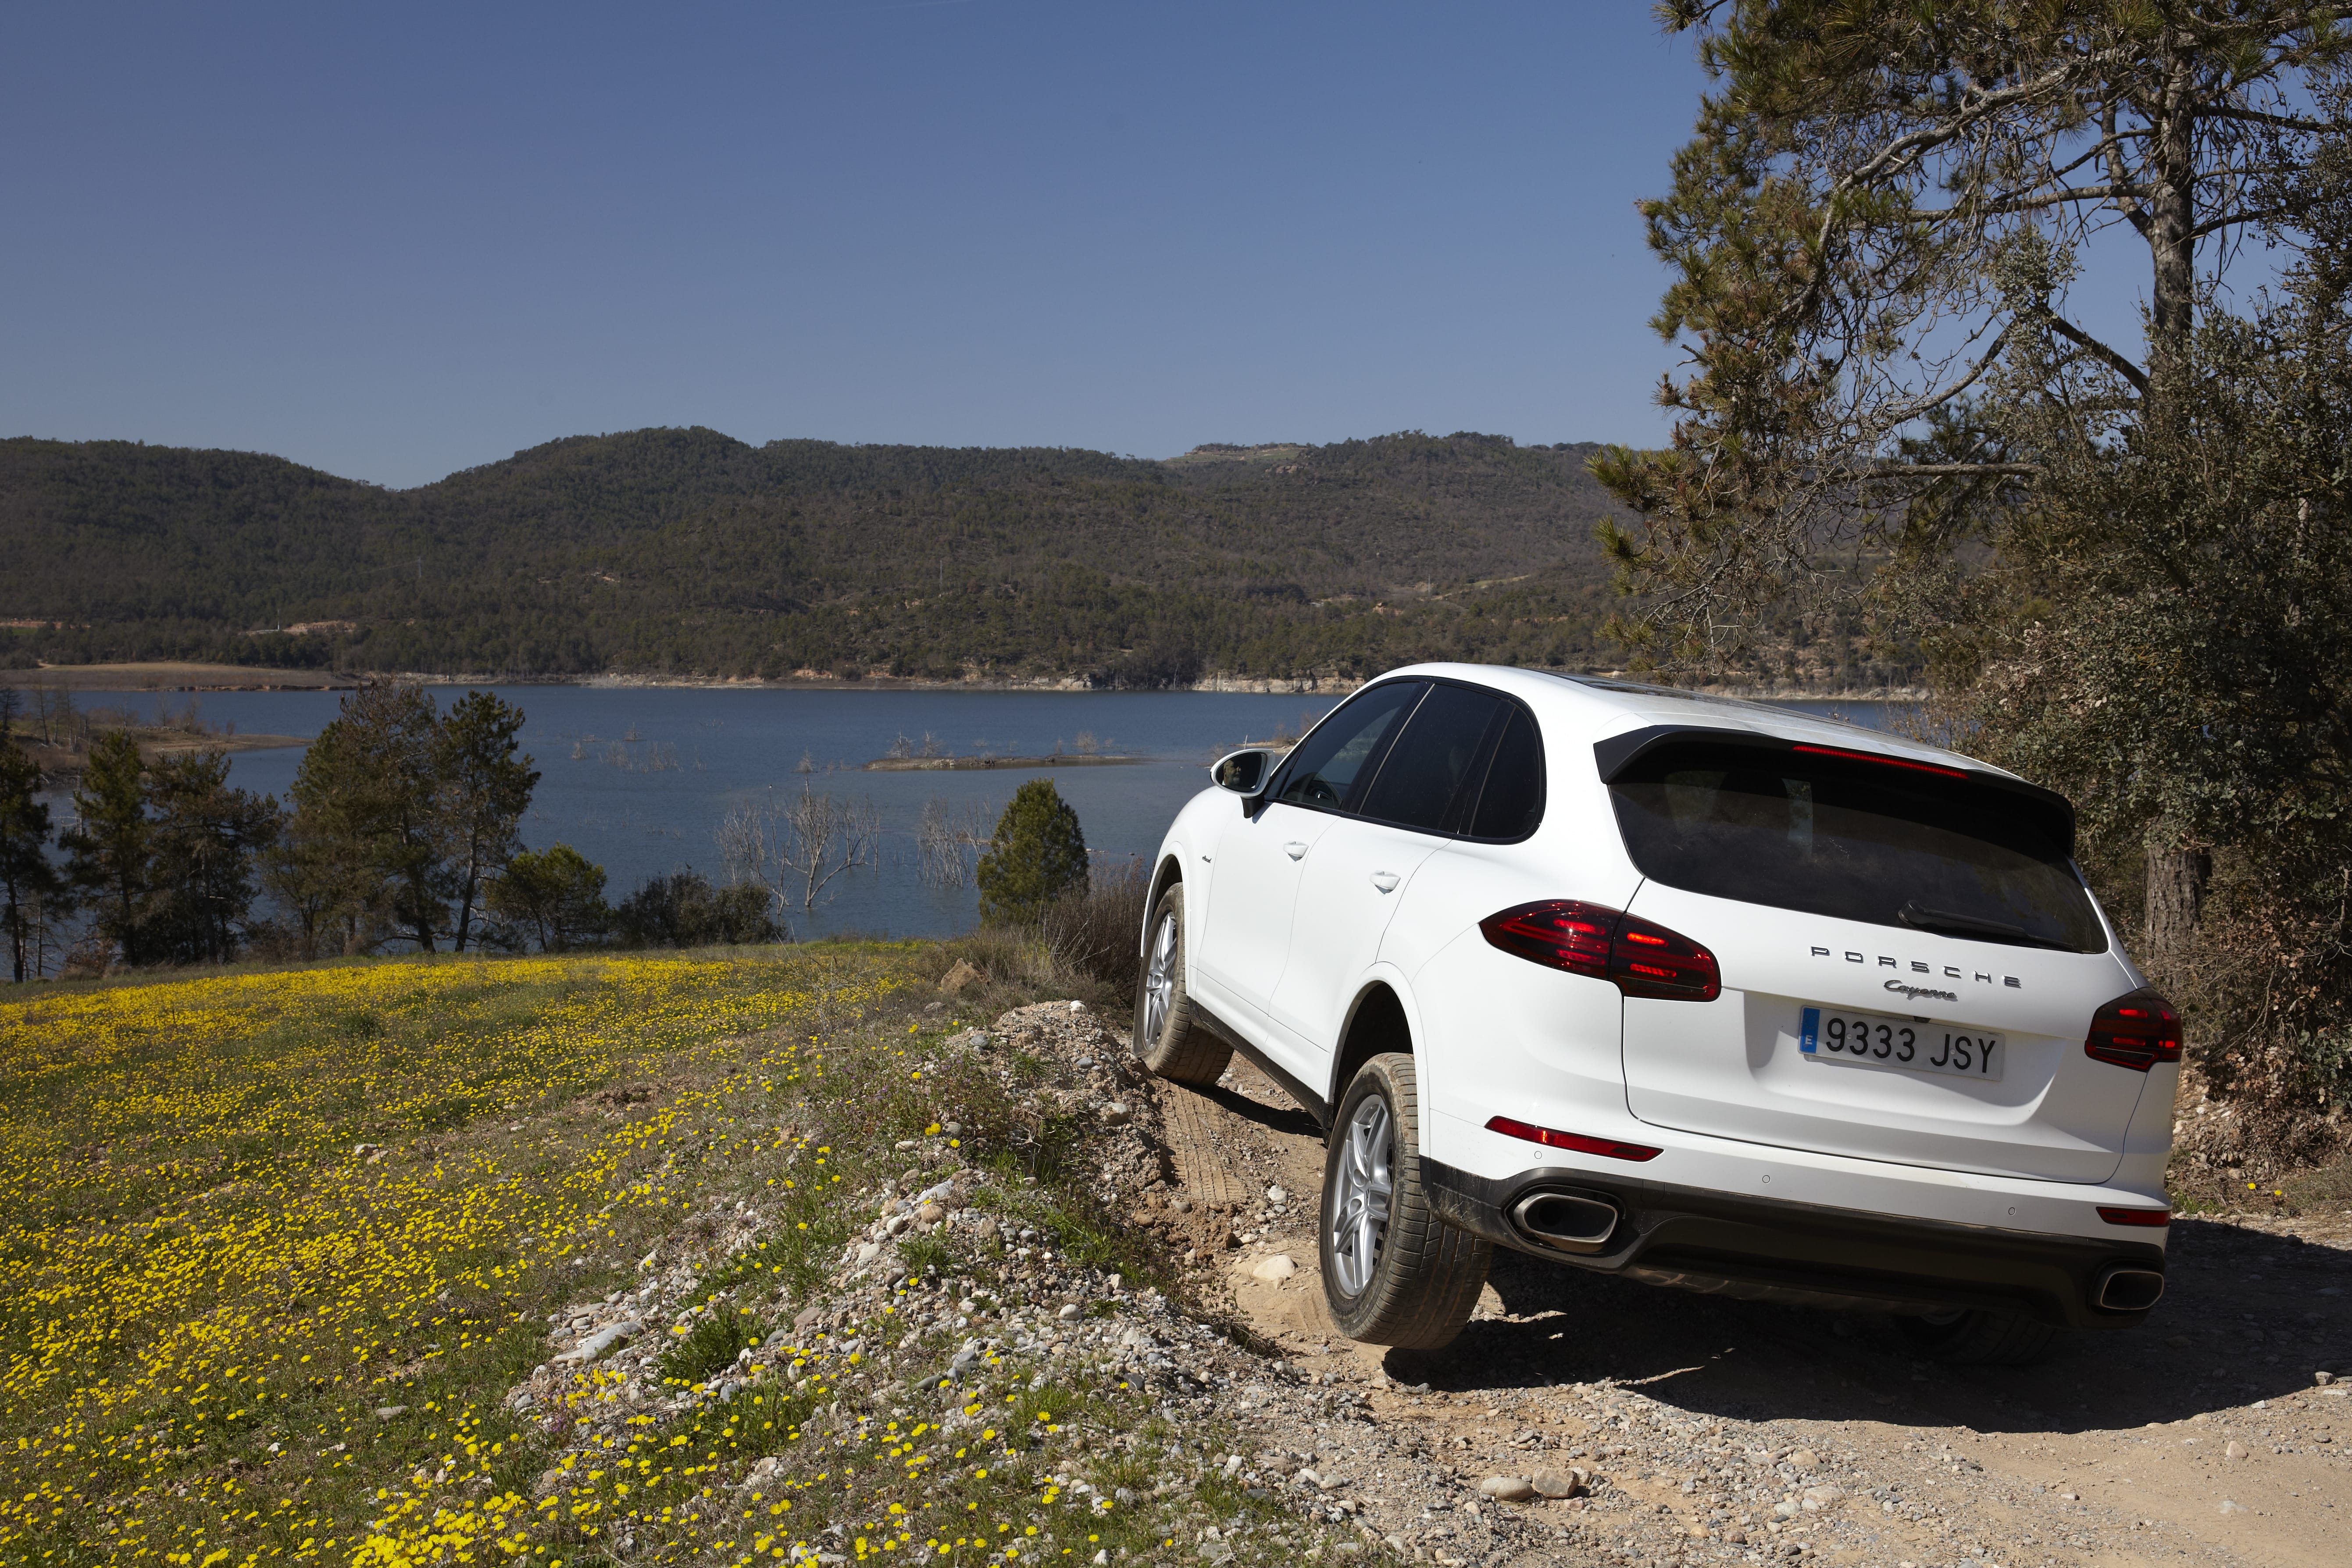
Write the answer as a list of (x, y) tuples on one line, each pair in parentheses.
[(686, 552)]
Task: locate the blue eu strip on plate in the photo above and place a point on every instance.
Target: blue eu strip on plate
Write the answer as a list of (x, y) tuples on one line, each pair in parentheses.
[(1808, 1033)]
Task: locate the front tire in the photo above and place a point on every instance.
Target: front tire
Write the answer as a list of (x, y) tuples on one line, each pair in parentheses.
[(1392, 1273), (1978, 1338), (1167, 1040)]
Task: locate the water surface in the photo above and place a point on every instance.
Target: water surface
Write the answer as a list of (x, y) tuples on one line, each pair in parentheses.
[(639, 778)]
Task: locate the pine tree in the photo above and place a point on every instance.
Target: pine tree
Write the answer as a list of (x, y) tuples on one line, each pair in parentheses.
[(1038, 855), (1878, 236), (29, 880), (112, 846), (204, 840), (485, 789), (554, 897)]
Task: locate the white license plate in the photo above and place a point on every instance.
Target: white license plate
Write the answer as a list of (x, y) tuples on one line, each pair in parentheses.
[(1904, 1045)]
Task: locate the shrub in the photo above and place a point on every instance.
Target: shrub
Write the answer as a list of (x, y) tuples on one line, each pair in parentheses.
[(715, 1341), (1039, 855), (1098, 930), (554, 897), (683, 910)]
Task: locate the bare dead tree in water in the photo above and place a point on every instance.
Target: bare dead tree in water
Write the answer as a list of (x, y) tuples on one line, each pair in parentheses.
[(797, 846), (950, 840)]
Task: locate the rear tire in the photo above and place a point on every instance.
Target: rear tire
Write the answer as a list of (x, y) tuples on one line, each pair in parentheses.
[(1392, 1273), (1167, 1040), (1980, 1338)]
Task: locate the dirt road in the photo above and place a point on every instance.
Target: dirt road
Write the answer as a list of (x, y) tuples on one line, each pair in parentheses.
[(1727, 1431)]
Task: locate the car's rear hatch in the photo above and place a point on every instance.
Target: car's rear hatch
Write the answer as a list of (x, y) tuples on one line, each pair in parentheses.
[(1878, 925)]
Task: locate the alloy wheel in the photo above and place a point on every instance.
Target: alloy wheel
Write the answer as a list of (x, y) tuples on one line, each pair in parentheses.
[(1360, 1198), (1159, 982)]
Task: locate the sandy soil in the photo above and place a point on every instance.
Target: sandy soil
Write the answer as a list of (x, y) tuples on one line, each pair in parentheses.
[(2201, 1436)]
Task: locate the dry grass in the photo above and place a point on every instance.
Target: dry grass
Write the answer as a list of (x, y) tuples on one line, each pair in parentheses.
[(1098, 932)]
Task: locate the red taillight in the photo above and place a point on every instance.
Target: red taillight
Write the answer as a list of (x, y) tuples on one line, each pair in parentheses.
[(1551, 1138), (2136, 1215), (1643, 960), (2136, 1032)]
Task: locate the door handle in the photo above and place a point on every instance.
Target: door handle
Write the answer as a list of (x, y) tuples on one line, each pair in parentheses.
[(1294, 849), (1385, 880)]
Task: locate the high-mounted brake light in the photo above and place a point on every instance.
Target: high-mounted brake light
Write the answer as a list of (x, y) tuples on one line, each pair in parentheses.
[(1881, 760), (2136, 1032), (1643, 958), (1551, 1138), (2136, 1215)]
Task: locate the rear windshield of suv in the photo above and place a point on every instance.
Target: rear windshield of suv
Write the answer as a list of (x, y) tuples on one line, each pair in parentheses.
[(1854, 840)]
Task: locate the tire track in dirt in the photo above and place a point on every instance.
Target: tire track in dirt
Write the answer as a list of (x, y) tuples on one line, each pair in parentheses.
[(2201, 1436)]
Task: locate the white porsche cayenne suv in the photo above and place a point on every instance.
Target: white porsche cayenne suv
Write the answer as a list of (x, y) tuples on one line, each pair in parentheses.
[(1693, 991)]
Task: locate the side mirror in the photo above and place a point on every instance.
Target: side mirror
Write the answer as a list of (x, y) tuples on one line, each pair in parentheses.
[(1246, 772)]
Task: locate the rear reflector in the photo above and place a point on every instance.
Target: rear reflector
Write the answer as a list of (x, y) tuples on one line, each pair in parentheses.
[(2136, 1032), (1642, 959), (1552, 1139), (2154, 1216)]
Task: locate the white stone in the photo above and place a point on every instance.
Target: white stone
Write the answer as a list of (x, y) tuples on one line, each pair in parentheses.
[(1274, 1269)]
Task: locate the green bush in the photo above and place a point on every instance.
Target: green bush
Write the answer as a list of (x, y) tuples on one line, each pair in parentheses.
[(1037, 856), (717, 1339)]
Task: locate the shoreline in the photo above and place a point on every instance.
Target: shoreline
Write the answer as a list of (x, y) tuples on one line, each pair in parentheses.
[(175, 676), (975, 764)]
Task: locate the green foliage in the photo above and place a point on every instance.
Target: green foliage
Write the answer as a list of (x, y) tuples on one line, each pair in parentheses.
[(484, 788), (683, 552), (683, 910), (111, 842), (1037, 856), (2127, 562), (399, 810), (165, 852), (711, 1346), (553, 898), (204, 839), (28, 877)]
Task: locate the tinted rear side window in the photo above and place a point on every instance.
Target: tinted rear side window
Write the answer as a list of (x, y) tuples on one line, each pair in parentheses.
[(1325, 769), (1426, 767), (1513, 800), (1852, 840)]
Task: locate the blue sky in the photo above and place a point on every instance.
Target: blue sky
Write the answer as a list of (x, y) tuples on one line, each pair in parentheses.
[(396, 242)]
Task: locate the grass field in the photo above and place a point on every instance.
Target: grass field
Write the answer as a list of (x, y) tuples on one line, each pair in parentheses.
[(275, 1246)]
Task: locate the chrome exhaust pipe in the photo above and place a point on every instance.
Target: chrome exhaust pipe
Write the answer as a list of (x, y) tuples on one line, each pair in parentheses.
[(2128, 1290), (1566, 1221)]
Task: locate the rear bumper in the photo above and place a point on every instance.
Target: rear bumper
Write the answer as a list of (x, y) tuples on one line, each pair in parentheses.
[(1775, 1250)]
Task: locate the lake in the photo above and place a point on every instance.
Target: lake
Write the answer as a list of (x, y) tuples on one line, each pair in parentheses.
[(639, 778)]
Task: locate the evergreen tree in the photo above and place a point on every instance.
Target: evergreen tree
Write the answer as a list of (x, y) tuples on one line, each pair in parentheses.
[(203, 838), (683, 910), (367, 805), (1038, 855), (554, 898), (31, 884), (485, 790), (112, 846), (1878, 237)]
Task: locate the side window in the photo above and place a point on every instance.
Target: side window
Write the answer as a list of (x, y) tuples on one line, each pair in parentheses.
[(1424, 770), (1326, 768), (1512, 802)]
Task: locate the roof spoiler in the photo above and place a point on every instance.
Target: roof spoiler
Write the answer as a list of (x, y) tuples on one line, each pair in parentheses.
[(1620, 752)]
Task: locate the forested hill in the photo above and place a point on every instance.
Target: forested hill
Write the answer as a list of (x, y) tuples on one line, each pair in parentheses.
[(686, 552)]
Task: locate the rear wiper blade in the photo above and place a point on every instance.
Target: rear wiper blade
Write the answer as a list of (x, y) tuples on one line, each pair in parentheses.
[(1946, 920)]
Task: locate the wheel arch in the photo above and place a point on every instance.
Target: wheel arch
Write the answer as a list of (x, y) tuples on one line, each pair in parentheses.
[(1378, 1020), (1165, 875)]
